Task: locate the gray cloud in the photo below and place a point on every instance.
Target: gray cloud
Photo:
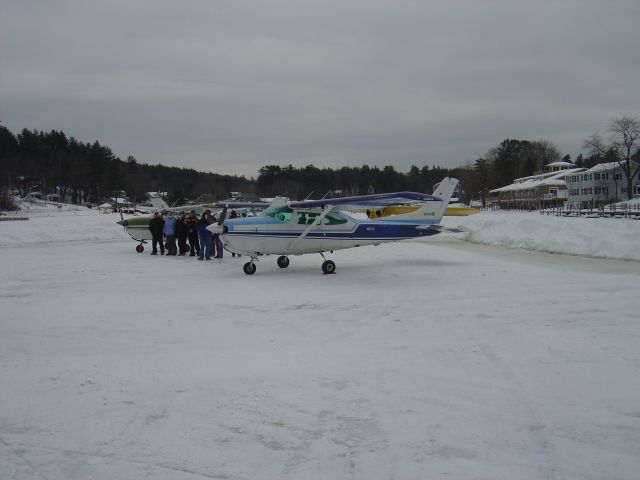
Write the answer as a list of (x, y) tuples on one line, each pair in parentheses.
[(230, 86)]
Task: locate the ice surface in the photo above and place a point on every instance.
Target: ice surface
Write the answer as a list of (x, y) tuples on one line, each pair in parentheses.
[(431, 359)]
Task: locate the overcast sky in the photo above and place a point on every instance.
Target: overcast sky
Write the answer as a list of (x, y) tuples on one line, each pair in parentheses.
[(230, 86)]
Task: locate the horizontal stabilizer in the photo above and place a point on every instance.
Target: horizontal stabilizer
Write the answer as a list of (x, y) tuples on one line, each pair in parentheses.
[(442, 228)]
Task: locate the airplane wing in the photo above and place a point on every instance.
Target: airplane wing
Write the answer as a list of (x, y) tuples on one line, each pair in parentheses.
[(223, 204), (366, 201), (201, 207)]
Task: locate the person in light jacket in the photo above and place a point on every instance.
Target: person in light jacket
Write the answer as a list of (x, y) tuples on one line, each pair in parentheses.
[(170, 232)]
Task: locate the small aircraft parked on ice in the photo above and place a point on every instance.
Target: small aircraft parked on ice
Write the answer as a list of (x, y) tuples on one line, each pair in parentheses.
[(316, 226)]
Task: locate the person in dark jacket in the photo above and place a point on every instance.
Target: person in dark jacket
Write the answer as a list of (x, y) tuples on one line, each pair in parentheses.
[(232, 215), (206, 237), (217, 243), (192, 233), (181, 233), (156, 227)]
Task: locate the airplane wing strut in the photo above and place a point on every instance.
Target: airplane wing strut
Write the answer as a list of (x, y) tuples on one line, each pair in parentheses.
[(310, 227)]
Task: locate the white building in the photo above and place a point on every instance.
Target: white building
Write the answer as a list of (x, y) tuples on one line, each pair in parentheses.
[(559, 166), (603, 184), (543, 190)]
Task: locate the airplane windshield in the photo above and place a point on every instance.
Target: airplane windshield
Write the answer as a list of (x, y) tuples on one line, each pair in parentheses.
[(307, 218), (283, 214)]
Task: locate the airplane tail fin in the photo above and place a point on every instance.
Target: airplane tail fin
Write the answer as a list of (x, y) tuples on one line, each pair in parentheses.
[(158, 203), (444, 190), (431, 211)]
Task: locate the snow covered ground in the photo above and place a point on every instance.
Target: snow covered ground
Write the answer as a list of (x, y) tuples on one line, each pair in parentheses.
[(601, 237), (428, 359)]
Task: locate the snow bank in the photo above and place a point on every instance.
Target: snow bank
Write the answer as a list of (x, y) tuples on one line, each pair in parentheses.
[(594, 237), (61, 228)]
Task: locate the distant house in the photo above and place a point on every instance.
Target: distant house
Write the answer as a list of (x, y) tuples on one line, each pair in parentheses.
[(545, 190), (34, 196), (119, 202), (156, 194), (605, 183)]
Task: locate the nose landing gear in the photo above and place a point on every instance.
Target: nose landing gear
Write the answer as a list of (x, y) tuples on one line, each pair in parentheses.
[(328, 266), (249, 268)]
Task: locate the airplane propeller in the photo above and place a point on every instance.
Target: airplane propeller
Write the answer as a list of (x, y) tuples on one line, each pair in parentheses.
[(222, 216), (219, 228)]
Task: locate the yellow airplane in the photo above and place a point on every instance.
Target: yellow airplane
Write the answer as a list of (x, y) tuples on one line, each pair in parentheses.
[(451, 211)]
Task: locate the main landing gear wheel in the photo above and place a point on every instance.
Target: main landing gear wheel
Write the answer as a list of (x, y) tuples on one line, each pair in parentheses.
[(249, 268), (328, 266), (283, 261), (140, 248)]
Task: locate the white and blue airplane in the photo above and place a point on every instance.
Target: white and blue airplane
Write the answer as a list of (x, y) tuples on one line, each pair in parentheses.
[(317, 226)]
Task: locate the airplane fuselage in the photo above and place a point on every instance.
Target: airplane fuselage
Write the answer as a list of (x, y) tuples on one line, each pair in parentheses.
[(266, 235)]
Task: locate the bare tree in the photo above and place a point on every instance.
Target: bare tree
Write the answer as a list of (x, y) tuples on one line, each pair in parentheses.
[(624, 143), (543, 152)]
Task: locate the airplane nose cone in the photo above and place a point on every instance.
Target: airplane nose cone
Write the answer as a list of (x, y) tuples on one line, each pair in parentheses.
[(124, 223)]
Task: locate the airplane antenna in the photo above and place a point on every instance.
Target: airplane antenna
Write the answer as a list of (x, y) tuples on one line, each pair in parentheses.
[(307, 197), (325, 195)]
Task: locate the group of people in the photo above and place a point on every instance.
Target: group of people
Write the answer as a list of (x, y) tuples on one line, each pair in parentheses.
[(190, 233)]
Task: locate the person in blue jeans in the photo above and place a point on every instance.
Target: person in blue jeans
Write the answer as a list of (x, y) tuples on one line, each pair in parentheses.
[(205, 236), (219, 248)]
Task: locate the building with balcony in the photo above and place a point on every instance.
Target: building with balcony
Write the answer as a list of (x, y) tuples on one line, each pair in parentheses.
[(600, 185), (545, 190)]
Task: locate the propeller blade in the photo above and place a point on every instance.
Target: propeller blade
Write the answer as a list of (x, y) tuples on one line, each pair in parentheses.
[(222, 216)]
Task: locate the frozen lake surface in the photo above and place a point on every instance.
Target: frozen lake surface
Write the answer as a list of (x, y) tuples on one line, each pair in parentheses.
[(433, 359)]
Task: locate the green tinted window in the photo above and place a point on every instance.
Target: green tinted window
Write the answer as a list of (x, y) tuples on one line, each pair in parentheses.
[(334, 219), (283, 214), (307, 218)]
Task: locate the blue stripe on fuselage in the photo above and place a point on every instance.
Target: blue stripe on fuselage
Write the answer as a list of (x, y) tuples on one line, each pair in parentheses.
[(366, 230)]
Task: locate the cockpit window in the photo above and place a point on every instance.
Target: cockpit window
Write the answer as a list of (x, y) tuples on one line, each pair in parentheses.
[(307, 218), (283, 214)]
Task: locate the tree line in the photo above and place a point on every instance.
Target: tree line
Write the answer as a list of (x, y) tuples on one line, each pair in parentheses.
[(89, 172), (52, 162)]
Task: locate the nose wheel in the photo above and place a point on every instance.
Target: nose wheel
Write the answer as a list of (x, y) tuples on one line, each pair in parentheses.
[(283, 261), (249, 268)]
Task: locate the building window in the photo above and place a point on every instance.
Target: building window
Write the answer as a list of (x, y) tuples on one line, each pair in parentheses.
[(598, 190), (617, 176), (597, 176)]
